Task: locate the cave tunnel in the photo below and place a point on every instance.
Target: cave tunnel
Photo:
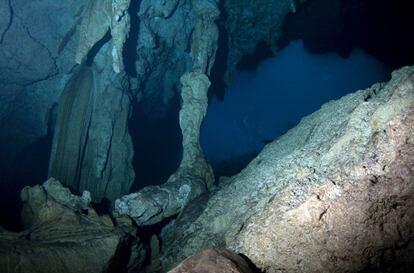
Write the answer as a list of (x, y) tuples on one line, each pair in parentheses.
[(327, 49), (255, 174)]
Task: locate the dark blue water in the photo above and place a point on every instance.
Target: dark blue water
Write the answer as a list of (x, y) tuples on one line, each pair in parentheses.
[(263, 104)]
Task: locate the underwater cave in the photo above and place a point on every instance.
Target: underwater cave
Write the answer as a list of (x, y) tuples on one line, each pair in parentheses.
[(218, 135)]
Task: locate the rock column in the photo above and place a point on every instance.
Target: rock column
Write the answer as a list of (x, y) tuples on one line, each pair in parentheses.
[(194, 175)]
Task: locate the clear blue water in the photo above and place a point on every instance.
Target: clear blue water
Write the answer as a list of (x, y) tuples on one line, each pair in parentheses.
[(263, 104)]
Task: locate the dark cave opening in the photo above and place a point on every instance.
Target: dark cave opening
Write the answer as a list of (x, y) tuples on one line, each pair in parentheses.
[(157, 145), (130, 46), (95, 49), (28, 168), (382, 28), (218, 84), (264, 104)]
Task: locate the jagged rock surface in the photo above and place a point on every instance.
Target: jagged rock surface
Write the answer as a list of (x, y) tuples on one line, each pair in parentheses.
[(169, 34), (344, 174), (100, 17), (63, 235), (251, 22)]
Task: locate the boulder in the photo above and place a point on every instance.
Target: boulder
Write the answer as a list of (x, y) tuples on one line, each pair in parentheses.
[(213, 260), (64, 234)]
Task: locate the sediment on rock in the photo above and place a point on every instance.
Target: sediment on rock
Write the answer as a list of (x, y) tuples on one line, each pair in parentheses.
[(343, 174)]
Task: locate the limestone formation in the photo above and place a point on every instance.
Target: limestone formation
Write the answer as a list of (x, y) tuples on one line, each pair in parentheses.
[(252, 22), (100, 17), (92, 149), (166, 46), (63, 234), (35, 197), (335, 194), (213, 260), (194, 175)]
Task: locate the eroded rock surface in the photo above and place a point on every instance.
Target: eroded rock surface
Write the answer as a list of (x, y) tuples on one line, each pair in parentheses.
[(100, 17), (92, 149), (213, 260), (334, 194), (63, 234), (194, 175), (251, 22)]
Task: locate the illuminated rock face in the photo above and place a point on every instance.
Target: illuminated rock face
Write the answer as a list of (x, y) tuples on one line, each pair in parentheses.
[(318, 198)]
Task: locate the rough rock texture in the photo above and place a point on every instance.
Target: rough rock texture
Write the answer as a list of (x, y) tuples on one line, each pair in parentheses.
[(100, 17), (169, 34), (34, 199), (194, 175), (92, 149), (250, 22), (213, 260), (63, 234), (335, 194)]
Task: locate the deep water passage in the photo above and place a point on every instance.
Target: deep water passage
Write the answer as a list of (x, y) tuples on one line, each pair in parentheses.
[(264, 104), (157, 145)]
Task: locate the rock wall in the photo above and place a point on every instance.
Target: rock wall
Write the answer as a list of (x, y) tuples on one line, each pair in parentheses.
[(334, 194), (37, 49)]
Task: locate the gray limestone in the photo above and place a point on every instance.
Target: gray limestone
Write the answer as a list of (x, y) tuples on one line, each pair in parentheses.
[(92, 149), (64, 234), (346, 162)]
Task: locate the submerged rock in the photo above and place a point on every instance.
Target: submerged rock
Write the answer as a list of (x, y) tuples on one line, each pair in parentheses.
[(64, 234), (213, 260), (194, 176), (334, 194), (100, 17), (252, 22), (92, 149)]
